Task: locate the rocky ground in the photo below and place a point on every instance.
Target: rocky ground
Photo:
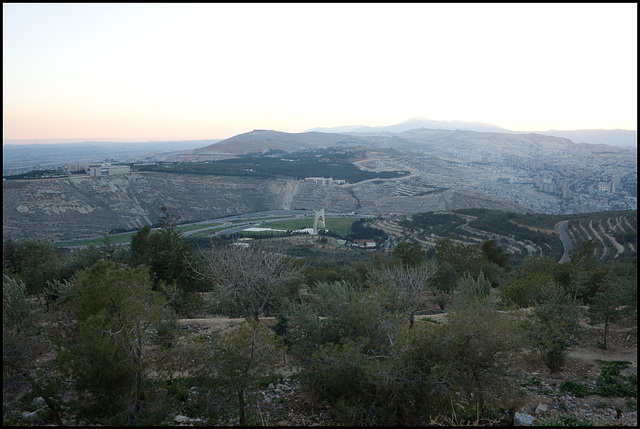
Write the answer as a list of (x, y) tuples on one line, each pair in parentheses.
[(282, 403), (545, 400)]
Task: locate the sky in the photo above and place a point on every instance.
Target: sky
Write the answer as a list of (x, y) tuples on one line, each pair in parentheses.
[(175, 71)]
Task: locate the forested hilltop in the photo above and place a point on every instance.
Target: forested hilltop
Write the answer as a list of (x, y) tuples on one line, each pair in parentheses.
[(467, 328)]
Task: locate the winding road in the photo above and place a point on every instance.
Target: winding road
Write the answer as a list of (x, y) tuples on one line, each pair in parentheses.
[(561, 230)]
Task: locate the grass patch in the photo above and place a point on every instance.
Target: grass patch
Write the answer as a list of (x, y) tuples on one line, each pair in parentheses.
[(339, 225)]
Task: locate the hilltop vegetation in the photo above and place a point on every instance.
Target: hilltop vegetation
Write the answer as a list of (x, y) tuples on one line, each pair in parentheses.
[(329, 163)]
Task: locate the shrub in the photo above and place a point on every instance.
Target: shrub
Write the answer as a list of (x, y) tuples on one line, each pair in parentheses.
[(577, 389), (611, 383)]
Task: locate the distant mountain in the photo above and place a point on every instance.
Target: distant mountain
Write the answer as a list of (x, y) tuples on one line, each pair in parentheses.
[(261, 141), (622, 138), (414, 123), (420, 140)]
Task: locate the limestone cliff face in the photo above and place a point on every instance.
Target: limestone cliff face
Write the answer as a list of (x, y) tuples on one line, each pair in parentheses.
[(78, 207)]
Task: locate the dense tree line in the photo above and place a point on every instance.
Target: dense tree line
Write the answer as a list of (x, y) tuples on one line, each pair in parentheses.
[(360, 230), (355, 328), (499, 222), (322, 164), (432, 222)]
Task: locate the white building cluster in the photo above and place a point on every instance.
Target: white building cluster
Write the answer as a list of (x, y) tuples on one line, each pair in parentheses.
[(97, 170), (325, 180)]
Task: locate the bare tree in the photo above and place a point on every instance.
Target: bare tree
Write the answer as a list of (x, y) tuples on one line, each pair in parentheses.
[(408, 282), (249, 275)]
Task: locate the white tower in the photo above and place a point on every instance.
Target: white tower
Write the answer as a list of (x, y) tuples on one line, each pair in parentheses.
[(318, 221)]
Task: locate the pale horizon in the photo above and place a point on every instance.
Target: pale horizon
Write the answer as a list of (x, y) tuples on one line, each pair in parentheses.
[(163, 72)]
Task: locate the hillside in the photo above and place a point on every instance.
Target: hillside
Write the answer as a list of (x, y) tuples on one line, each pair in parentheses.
[(614, 234), (80, 206), (422, 140), (413, 171)]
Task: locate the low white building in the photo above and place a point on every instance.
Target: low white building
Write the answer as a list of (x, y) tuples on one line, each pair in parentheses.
[(96, 170), (325, 180)]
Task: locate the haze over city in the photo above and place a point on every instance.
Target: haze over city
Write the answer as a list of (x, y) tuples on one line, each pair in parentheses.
[(138, 72)]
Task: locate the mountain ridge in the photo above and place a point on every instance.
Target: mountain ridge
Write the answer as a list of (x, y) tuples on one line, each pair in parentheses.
[(615, 137), (423, 140)]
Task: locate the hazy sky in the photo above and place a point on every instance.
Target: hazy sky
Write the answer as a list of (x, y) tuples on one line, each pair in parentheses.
[(210, 71)]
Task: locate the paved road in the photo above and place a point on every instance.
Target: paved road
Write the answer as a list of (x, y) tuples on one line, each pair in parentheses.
[(242, 221), (561, 229)]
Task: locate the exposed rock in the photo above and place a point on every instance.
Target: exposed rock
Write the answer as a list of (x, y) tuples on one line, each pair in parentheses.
[(78, 207), (180, 419), (184, 420), (523, 419), (541, 409)]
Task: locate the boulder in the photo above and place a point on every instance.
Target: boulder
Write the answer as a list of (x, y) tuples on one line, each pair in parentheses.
[(523, 419)]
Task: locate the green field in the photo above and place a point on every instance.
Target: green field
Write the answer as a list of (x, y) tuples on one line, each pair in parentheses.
[(339, 225)]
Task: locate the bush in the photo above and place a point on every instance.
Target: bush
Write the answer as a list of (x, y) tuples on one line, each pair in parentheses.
[(611, 384), (577, 389), (15, 305)]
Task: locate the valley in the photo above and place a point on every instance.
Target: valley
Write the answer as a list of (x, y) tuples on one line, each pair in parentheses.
[(413, 171)]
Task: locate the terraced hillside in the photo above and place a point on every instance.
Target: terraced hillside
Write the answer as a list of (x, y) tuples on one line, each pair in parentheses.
[(613, 233)]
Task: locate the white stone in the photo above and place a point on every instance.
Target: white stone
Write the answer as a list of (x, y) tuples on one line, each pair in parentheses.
[(179, 419), (523, 419), (541, 408)]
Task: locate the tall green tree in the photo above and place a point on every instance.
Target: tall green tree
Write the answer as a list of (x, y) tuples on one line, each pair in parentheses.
[(165, 252), (553, 324), (494, 254), (477, 347), (444, 284), (32, 261), (410, 254), (169, 260), (473, 290), (464, 258), (104, 353), (611, 302)]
